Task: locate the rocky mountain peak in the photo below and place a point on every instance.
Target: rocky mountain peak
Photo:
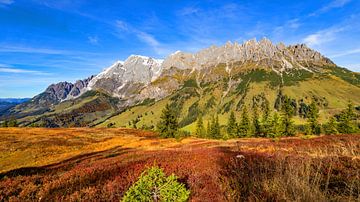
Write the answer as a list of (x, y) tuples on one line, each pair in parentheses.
[(135, 71), (263, 53)]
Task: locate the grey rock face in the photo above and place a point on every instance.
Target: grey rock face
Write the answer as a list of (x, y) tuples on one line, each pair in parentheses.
[(66, 90), (123, 79), (277, 56)]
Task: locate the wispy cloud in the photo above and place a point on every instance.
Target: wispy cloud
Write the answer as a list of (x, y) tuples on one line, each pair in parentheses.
[(148, 39), (6, 2), (8, 69), (15, 48), (292, 24), (25, 49), (121, 25), (322, 36), (203, 27), (93, 40), (332, 5)]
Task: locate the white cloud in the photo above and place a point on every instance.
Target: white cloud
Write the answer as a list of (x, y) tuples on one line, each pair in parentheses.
[(93, 40), (150, 40), (289, 25), (332, 5), (121, 25), (15, 48), (7, 69), (322, 36), (6, 2), (294, 23)]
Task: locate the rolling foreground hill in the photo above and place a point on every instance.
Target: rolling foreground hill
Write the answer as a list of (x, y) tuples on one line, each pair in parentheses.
[(83, 164), (213, 81)]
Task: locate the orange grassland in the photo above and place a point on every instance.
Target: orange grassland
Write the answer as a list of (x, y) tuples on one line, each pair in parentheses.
[(91, 164)]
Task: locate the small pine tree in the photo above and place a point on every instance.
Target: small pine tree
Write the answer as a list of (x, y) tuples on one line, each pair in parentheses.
[(208, 129), (200, 129), (266, 121), (168, 125), (244, 128), (256, 123), (266, 115), (287, 123), (274, 126), (330, 127), (232, 125), (214, 128), (154, 185), (313, 127), (346, 119), (217, 131)]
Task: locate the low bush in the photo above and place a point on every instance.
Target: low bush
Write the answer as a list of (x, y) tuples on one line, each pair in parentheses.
[(153, 185)]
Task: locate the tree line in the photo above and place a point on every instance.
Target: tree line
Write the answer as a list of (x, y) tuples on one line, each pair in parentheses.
[(266, 124)]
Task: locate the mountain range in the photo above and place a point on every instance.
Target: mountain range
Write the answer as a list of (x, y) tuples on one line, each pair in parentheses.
[(215, 80)]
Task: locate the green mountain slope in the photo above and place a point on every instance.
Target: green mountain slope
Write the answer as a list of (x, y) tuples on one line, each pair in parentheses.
[(332, 92), (90, 108)]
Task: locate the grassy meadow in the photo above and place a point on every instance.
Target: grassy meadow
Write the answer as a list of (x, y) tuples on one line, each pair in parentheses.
[(93, 164)]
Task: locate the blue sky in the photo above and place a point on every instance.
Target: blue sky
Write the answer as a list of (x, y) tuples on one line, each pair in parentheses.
[(47, 41)]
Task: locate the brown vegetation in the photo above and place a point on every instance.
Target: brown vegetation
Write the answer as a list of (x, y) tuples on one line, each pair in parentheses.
[(101, 164)]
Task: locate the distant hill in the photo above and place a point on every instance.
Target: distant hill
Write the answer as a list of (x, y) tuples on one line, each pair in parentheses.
[(216, 80), (6, 103)]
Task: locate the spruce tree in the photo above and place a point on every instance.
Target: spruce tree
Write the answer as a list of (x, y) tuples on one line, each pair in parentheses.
[(200, 129), (330, 127), (256, 123), (266, 115), (244, 128), (168, 125), (208, 129), (232, 125), (346, 120), (287, 123), (313, 127), (274, 126), (265, 120), (215, 128)]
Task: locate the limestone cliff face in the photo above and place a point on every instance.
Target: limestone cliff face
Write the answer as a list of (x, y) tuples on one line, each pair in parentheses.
[(264, 52)]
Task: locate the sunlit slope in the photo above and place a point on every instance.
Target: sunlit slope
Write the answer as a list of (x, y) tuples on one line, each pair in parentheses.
[(332, 93), (90, 108)]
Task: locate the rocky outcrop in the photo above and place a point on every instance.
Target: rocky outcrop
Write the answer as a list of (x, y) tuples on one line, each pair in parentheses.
[(66, 90)]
